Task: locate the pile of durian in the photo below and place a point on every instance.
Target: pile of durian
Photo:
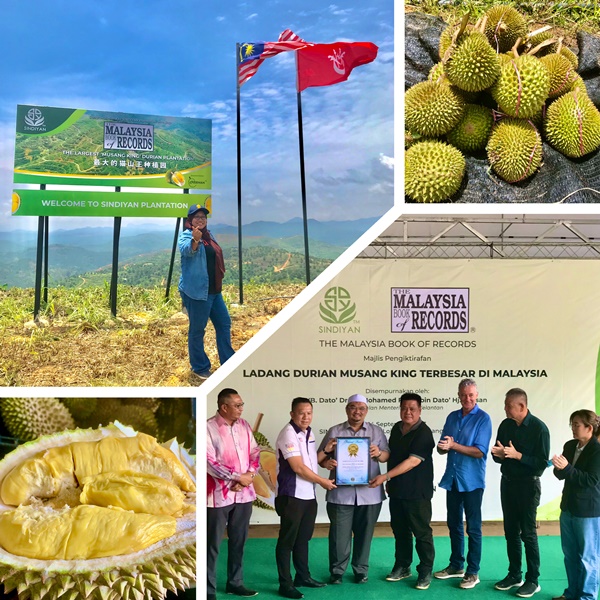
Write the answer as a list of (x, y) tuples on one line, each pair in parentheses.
[(501, 89), (100, 514)]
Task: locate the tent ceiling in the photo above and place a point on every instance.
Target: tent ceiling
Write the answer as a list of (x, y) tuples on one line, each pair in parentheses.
[(489, 236)]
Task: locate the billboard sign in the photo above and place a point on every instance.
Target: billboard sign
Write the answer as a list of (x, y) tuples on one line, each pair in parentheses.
[(66, 146)]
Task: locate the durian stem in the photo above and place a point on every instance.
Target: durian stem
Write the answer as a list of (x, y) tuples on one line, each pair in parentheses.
[(514, 48), (541, 45), (257, 422)]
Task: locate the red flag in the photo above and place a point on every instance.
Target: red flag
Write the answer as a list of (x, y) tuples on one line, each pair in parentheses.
[(326, 64)]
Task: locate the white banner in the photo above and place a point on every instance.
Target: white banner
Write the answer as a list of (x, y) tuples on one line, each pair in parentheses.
[(383, 327)]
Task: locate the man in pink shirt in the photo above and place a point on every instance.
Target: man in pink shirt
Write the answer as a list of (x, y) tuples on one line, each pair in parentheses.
[(232, 462)]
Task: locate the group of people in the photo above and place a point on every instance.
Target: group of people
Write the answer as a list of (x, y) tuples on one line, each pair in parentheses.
[(522, 448)]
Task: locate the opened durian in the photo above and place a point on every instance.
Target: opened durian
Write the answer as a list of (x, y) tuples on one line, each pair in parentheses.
[(97, 514), (265, 482)]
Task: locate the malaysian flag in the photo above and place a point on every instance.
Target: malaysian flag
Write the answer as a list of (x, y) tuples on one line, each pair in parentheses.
[(251, 55)]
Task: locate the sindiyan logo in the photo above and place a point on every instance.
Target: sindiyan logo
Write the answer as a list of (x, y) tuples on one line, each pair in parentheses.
[(34, 117), (337, 306)]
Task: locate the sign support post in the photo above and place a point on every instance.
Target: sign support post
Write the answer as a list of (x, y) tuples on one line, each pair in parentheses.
[(115, 263)]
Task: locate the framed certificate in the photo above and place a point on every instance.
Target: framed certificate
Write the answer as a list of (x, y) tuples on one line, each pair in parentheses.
[(353, 460)]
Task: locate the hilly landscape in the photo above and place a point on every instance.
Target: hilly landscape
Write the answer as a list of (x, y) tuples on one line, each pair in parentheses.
[(272, 252), (75, 341)]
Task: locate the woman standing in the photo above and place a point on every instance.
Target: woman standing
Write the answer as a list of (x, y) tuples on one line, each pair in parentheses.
[(579, 467), (202, 271)]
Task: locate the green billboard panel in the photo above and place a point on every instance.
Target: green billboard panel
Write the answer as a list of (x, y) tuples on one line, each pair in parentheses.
[(88, 147), (104, 204)]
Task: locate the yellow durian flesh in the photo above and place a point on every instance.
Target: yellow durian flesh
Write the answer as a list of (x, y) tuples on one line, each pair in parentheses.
[(83, 532), (141, 493), (45, 474), (42, 476), (141, 453)]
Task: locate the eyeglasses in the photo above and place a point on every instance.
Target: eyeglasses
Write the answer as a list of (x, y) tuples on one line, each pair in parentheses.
[(238, 405), (199, 217)]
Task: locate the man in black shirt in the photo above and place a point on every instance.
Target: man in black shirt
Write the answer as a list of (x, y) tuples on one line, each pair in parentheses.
[(522, 448), (410, 488)]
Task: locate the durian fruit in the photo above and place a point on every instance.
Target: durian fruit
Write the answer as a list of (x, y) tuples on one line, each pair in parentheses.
[(50, 550), (543, 35), (109, 410), (504, 26), (152, 404), (514, 149), (433, 171), (558, 48), (522, 87), (579, 85), (562, 74), (432, 109), (436, 73), (28, 418), (265, 482), (473, 130), (472, 64), (572, 124), (80, 408), (447, 36)]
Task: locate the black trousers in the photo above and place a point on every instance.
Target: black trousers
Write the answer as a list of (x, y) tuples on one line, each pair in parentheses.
[(296, 529), (408, 518), (236, 519), (520, 499)]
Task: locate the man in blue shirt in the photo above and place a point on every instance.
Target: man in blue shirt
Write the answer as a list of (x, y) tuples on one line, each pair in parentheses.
[(466, 439)]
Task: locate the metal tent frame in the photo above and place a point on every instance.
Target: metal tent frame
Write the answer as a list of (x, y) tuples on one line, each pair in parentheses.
[(489, 236)]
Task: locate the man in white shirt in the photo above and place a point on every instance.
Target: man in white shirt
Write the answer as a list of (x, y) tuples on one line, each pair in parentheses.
[(296, 503)]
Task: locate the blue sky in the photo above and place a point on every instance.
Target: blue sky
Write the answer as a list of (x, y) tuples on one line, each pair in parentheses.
[(177, 58)]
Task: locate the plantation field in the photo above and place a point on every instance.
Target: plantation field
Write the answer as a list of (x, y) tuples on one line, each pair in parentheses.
[(78, 343), (568, 15)]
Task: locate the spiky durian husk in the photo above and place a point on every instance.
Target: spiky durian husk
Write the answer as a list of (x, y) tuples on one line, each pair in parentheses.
[(566, 52), (522, 87), (262, 441), (149, 579), (260, 504), (436, 73), (515, 149), (562, 74), (433, 171), (504, 25), (472, 64), (150, 403), (432, 109), (572, 125), (29, 418), (169, 565), (80, 408), (447, 35), (538, 38), (473, 130), (109, 410)]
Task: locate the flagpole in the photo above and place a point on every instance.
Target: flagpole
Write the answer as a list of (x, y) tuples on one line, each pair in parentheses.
[(302, 178), (239, 175)]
